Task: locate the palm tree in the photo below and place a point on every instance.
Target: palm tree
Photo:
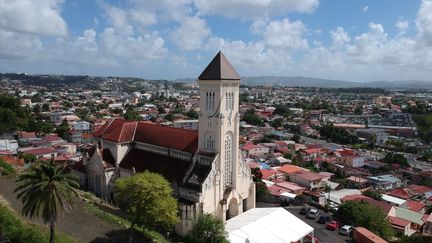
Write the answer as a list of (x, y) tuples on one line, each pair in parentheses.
[(45, 190)]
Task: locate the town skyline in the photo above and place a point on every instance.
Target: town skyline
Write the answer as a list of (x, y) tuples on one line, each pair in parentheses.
[(355, 41)]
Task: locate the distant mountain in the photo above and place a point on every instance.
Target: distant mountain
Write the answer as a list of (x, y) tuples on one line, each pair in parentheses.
[(317, 82), (297, 81)]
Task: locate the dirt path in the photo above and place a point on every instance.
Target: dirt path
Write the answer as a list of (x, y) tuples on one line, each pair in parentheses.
[(77, 223)]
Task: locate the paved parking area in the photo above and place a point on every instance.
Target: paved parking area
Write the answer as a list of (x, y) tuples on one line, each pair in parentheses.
[(323, 234)]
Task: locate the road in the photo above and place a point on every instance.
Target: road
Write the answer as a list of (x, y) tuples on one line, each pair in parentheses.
[(411, 158), (323, 143), (323, 234)]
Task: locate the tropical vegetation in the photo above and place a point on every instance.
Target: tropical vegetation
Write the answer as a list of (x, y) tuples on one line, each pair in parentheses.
[(46, 191)]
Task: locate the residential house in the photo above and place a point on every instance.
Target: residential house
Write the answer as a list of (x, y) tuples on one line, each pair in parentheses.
[(311, 154), (308, 179), (349, 157), (415, 219), (255, 150), (384, 182), (41, 153)]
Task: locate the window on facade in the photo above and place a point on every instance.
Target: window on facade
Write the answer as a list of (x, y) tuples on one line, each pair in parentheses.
[(228, 160), (209, 142), (229, 100)]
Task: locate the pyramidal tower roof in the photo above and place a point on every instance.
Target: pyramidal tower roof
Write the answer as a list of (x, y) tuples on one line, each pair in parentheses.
[(219, 69)]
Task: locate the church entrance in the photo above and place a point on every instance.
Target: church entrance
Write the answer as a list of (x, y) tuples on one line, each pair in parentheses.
[(232, 209)]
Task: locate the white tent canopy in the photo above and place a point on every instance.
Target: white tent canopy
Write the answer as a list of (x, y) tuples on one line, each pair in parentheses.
[(266, 225), (288, 195)]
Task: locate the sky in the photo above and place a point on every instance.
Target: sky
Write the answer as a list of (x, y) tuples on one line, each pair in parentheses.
[(353, 40)]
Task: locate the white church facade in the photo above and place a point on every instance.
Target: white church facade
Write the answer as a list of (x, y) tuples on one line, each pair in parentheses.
[(205, 167)]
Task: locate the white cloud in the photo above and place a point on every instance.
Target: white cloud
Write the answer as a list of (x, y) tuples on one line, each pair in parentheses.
[(18, 45), (339, 37), (191, 34), (251, 9), (403, 26), (365, 9), (286, 34), (424, 22), (33, 17)]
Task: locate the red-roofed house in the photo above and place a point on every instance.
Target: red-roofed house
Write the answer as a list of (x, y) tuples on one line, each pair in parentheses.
[(42, 153), (400, 225), (255, 150), (313, 153), (308, 179), (415, 206)]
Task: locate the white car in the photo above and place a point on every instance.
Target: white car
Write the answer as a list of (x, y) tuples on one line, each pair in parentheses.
[(346, 230), (313, 214)]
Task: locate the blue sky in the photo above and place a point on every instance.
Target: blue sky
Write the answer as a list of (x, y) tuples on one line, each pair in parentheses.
[(355, 40)]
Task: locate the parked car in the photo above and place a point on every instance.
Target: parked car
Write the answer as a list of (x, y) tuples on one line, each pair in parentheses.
[(313, 213), (346, 230), (305, 210), (309, 238), (333, 225), (324, 219)]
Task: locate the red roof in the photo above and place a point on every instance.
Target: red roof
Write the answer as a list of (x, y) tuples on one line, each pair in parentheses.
[(346, 152), (176, 138), (289, 169), (312, 150), (266, 174), (119, 130), (400, 193), (123, 133), (415, 206), (276, 190), (251, 146), (354, 197), (398, 221), (373, 238), (309, 176), (28, 134), (40, 151), (420, 188)]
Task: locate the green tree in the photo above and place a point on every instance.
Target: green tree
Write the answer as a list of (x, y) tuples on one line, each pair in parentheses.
[(45, 107), (251, 118), (45, 191), (132, 115), (147, 199), (206, 228), (277, 123), (373, 194), (392, 158), (365, 215), (192, 114), (62, 130)]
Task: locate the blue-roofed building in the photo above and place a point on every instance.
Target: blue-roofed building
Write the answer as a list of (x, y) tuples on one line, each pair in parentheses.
[(386, 182)]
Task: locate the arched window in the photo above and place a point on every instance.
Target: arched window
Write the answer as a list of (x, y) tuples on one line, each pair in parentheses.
[(228, 160)]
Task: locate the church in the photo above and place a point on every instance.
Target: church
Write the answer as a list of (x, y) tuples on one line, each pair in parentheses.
[(206, 169)]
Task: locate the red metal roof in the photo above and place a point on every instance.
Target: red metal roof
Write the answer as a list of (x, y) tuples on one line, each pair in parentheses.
[(40, 151), (120, 130), (398, 221), (176, 138), (415, 206)]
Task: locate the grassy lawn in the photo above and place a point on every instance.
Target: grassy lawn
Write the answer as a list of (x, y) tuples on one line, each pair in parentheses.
[(16, 229), (152, 236)]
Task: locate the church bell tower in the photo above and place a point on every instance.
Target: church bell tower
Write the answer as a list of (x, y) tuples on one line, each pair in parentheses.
[(219, 116)]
